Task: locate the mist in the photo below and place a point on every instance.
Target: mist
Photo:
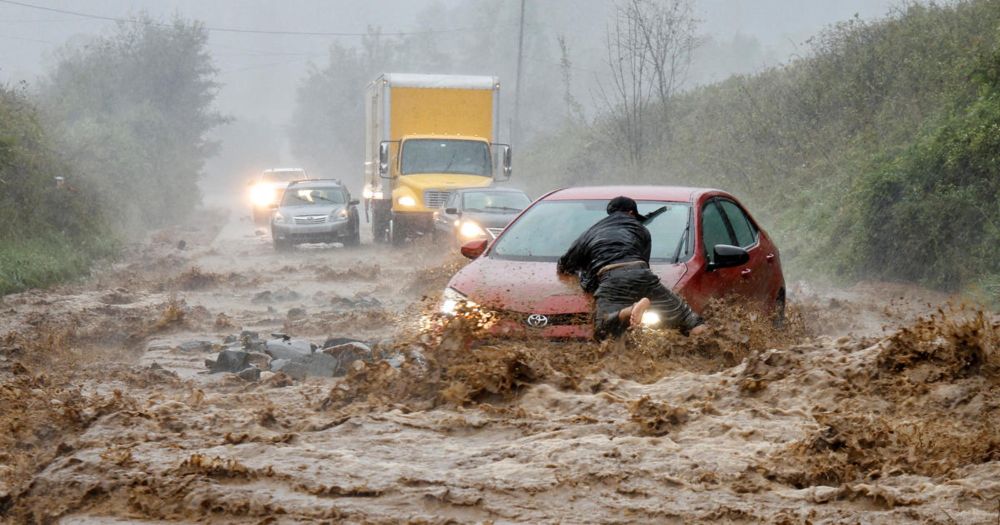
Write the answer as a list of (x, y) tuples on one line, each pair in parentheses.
[(259, 75)]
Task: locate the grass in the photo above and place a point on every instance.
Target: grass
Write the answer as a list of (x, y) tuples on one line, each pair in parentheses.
[(40, 262)]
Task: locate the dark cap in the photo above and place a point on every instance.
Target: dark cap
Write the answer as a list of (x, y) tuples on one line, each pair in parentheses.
[(625, 204)]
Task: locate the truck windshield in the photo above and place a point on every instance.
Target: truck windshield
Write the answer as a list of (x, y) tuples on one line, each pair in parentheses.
[(548, 229), (468, 157)]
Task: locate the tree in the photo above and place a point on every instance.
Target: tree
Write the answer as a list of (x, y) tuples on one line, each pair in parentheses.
[(649, 46), (132, 110)]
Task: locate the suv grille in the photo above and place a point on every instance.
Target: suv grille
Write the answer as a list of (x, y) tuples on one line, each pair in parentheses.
[(310, 219), (435, 198)]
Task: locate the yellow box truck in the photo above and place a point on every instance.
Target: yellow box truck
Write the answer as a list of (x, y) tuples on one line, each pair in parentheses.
[(426, 136)]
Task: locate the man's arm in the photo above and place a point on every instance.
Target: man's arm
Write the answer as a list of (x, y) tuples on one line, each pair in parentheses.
[(647, 245), (575, 258)]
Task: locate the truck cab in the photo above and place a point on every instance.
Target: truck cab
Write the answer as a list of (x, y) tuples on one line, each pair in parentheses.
[(428, 135)]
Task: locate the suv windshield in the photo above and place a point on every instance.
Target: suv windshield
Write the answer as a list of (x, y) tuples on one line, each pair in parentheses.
[(471, 157), (548, 228), (494, 201), (313, 196)]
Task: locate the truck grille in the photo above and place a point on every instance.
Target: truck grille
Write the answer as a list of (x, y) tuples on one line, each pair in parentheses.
[(494, 232), (435, 198), (310, 219)]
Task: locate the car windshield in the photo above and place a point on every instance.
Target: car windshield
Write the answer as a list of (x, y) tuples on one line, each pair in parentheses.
[(283, 176), (471, 157), (548, 228), (313, 196), (494, 201)]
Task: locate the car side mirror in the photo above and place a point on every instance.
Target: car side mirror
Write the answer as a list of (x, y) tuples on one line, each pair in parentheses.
[(727, 256), (353, 202), (451, 211), (383, 160), (473, 249)]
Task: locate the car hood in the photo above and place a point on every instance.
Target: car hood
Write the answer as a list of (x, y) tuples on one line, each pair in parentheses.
[(533, 287), (490, 220)]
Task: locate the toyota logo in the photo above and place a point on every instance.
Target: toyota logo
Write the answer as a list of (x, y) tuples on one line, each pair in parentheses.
[(537, 321)]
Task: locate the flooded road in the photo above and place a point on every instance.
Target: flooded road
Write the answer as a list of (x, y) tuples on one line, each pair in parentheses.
[(878, 404)]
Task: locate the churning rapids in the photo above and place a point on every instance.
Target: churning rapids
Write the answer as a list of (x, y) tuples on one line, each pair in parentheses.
[(877, 404)]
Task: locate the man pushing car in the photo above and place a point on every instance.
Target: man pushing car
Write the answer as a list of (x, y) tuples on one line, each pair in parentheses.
[(612, 260)]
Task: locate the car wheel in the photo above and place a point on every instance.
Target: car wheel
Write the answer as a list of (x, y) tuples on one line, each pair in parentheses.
[(354, 238), (778, 315)]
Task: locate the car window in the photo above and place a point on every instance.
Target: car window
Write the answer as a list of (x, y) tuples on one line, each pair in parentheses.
[(548, 228), (745, 234), (713, 229)]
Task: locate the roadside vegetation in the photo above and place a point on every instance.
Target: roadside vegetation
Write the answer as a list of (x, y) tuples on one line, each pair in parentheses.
[(122, 119), (874, 156)]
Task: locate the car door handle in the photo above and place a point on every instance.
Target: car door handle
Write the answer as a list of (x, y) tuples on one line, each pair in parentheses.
[(770, 258), (746, 273)]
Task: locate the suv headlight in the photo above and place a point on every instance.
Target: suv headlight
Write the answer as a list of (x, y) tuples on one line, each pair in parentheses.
[(450, 300), (650, 318), (279, 218), (340, 214)]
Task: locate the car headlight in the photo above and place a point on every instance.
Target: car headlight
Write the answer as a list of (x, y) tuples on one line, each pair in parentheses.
[(650, 318), (262, 195), (450, 300), (340, 214), (470, 229), (278, 218), (407, 201)]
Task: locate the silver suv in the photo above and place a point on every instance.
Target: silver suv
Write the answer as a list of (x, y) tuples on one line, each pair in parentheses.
[(315, 211)]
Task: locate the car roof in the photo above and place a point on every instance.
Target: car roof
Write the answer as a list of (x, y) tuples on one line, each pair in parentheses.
[(659, 193)]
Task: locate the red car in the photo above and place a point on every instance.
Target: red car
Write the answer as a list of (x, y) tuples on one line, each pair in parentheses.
[(705, 245)]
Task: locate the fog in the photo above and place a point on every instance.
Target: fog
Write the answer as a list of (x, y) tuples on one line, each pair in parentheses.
[(259, 73)]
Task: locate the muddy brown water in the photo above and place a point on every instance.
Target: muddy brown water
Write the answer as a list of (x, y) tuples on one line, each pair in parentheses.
[(876, 404)]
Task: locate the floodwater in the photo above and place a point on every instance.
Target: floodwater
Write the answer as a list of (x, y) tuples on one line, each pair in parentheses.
[(876, 404)]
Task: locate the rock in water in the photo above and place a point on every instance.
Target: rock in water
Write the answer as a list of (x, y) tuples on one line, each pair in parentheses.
[(229, 360)]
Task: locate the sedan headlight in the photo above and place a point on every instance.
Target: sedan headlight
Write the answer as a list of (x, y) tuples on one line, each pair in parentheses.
[(407, 201), (450, 300), (471, 230), (650, 318)]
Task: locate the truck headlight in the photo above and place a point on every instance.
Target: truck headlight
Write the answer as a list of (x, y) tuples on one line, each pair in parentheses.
[(450, 300), (470, 230), (407, 201), (650, 318)]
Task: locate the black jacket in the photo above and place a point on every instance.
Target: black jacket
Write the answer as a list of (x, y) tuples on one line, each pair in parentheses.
[(617, 238)]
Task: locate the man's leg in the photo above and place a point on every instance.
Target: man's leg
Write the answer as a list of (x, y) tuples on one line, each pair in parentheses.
[(674, 310)]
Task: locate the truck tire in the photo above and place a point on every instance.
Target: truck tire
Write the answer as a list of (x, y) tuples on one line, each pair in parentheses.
[(397, 232), (380, 225)]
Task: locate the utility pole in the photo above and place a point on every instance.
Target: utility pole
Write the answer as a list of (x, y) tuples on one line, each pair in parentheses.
[(514, 131)]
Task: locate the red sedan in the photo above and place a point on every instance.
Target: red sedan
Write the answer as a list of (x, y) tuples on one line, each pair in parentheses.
[(705, 245)]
